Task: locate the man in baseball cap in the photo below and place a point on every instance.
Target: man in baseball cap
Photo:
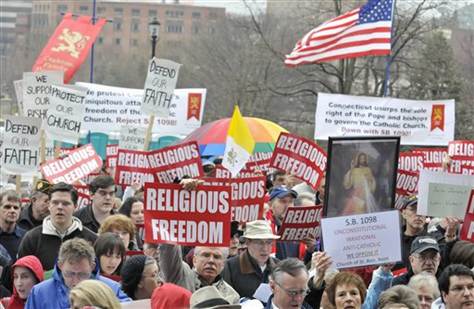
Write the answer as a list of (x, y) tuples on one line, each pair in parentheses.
[(32, 215)]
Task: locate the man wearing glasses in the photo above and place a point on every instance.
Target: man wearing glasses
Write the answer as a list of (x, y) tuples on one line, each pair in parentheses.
[(76, 263), (289, 284), (10, 233), (44, 241), (456, 284), (102, 190)]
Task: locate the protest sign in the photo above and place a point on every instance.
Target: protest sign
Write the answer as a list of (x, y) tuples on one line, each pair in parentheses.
[(222, 172), (300, 222), (20, 147), (64, 116), (361, 240), (175, 162), (467, 230), (108, 108), (83, 195), (247, 196), (260, 162), (433, 158), (111, 152), (159, 87), (461, 154), (300, 157), (361, 175), (18, 85), (132, 167), (417, 122), (410, 161), (79, 163), (407, 184), (132, 138), (36, 88), (442, 194), (191, 218)]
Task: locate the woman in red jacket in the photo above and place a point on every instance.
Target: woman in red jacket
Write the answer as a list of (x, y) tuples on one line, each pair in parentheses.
[(27, 272)]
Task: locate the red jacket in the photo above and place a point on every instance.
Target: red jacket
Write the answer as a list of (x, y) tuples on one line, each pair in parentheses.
[(170, 296), (34, 265)]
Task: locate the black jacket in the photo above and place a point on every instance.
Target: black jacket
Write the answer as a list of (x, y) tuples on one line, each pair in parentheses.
[(44, 242), (244, 275), (26, 220), (87, 218)]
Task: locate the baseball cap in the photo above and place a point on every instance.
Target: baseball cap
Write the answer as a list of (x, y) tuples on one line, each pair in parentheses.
[(423, 243), (42, 186), (281, 192), (409, 201)]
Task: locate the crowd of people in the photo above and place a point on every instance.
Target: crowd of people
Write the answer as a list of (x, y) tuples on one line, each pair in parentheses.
[(54, 255)]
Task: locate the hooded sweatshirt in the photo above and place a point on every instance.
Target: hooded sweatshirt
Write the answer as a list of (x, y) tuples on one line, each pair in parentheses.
[(44, 241), (170, 296), (34, 265)]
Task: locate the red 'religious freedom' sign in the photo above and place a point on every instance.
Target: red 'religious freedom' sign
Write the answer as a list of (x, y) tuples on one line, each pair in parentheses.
[(77, 164), (248, 196), (300, 157), (175, 162), (300, 223), (432, 157), (407, 184), (191, 218), (467, 231), (462, 157), (111, 152), (132, 166)]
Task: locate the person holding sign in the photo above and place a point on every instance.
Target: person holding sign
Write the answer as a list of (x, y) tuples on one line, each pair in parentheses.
[(361, 183)]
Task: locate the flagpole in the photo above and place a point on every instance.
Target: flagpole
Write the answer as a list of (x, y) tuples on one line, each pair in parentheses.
[(91, 76), (389, 58)]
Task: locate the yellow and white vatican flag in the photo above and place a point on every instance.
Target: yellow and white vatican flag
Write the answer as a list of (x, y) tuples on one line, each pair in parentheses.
[(239, 144)]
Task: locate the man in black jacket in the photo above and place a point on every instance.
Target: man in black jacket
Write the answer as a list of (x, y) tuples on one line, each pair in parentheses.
[(44, 241), (32, 215)]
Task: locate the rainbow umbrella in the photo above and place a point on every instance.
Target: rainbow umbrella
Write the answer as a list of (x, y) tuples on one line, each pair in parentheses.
[(212, 136)]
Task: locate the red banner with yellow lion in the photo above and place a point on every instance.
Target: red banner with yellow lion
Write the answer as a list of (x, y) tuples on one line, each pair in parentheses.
[(67, 49)]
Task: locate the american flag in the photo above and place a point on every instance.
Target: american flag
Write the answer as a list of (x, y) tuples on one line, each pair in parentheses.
[(365, 31)]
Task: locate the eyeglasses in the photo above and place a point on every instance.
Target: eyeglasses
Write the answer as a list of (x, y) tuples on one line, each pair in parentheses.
[(426, 258), (293, 293), (261, 242), (80, 275), (461, 288)]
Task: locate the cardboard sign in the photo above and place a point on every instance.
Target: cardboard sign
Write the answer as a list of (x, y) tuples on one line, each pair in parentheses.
[(361, 240), (462, 157), (191, 218), (410, 161), (300, 157), (20, 147), (442, 194), (36, 88), (111, 152), (248, 196), (132, 138), (175, 162), (159, 87), (64, 117), (79, 163), (407, 184), (133, 167), (301, 222), (467, 230), (432, 157), (417, 122), (108, 108)]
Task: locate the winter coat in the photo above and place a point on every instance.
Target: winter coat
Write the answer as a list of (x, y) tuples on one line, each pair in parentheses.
[(34, 265), (244, 275), (87, 218), (44, 241), (53, 293), (170, 296), (26, 220)]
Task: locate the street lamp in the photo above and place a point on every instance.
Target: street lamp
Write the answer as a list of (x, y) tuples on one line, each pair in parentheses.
[(154, 29)]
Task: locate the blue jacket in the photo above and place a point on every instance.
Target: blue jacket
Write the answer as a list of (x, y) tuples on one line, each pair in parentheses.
[(381, 281), (53, 293)]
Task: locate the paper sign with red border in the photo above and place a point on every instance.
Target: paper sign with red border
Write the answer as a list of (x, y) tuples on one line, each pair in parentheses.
[(77, 164), (301, 222), (300, 157), (248, 196), (133, 167), (467, 230), (191, 218), (175, 162)]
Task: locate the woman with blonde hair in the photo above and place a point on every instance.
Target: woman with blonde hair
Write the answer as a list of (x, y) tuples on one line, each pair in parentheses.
[(93, 293)]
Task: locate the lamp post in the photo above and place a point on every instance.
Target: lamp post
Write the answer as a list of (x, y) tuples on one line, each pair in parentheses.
[(154, 29)]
